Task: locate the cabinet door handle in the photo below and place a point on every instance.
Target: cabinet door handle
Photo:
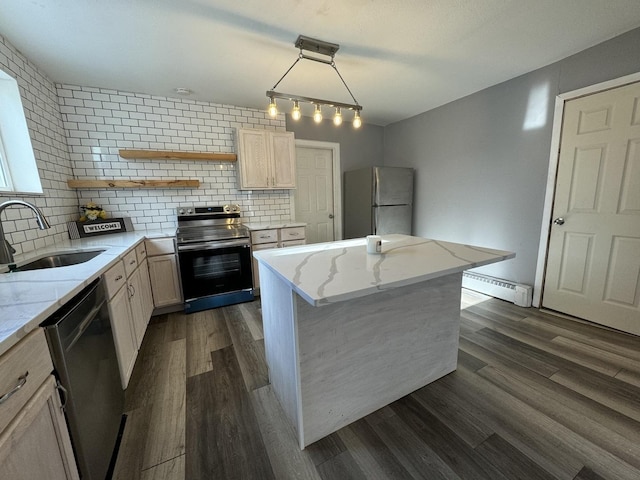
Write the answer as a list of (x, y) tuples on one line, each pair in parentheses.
[(118, 278), (22, 380), (63, 395), (265, 236), (132, 262), (293, 234)]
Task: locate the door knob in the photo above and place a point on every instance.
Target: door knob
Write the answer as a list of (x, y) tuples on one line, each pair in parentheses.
[(331, 215), (559, 221)]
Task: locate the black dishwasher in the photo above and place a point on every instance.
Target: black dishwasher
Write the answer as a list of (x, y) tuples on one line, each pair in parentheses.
[(84, 357)]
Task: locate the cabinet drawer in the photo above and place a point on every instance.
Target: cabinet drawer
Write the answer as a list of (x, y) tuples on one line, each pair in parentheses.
[(30, 355), (141, 252), (264, 236), (264, 246), (130, 262), (159, 246), (292, 243), (292, 233), (114, 278)]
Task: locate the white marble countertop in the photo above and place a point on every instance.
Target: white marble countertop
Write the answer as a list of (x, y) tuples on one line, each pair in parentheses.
[(28, 298), (269, 226), (324, 273)]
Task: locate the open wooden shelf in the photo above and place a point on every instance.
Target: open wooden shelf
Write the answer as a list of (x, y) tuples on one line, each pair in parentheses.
[(76, 183), (159, 154)]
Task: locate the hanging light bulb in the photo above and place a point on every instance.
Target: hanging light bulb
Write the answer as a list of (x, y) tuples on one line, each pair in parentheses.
[(357, 121), (317, 115), (337, 118), (273, 108), (296, 114)]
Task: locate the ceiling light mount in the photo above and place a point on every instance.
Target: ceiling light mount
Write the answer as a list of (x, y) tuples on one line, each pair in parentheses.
[(318, 47)]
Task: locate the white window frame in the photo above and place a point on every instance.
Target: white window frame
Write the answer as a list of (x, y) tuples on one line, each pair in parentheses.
[(17, 159), (6, 185)]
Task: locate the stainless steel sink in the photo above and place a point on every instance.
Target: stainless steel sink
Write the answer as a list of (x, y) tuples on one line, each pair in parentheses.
[(62, 259)]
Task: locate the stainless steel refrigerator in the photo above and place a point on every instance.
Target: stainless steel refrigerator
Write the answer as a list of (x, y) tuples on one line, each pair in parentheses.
[(378, 201)]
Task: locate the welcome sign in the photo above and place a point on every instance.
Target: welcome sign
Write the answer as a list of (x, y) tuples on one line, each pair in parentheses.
[(94, 228)]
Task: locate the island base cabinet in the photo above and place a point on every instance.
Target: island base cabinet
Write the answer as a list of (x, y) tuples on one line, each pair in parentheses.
[(334, 364), (36, 444)]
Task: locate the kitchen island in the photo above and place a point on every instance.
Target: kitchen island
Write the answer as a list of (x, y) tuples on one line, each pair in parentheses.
[(347, 332)]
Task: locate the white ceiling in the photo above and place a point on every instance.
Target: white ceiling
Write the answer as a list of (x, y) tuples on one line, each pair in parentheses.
[(399, 57)]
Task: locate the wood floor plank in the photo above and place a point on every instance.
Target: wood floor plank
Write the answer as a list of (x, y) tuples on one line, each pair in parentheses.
[(588, 474), (518, 415), (504, 415), (454, 414), (372, 455), (287, 460), (580, 422), (507, 327), (223, 436), (253, 318), (170, 470), (564, 352), (456, 453), (411, 451), (587, 336), (511, 462), (632, 378), (250, 353), (166, 432), (341, 466), (587, 328), (530, 357), (615, 394), (206, 332), (325, 448), (619, 361), (472, 363)]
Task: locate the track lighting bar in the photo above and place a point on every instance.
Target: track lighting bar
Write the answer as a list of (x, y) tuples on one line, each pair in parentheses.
[(323, 48)]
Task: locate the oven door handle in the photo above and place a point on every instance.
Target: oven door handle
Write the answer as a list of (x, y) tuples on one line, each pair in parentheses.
[(213, 245)]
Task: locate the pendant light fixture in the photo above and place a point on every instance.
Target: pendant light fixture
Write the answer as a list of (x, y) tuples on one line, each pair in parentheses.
[(321, 48)]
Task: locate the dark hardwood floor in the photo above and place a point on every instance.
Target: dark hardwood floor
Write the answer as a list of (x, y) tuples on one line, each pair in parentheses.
[(535, 396)]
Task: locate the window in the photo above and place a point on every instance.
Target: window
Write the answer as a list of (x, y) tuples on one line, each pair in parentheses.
[(18, 168), (5, 179)]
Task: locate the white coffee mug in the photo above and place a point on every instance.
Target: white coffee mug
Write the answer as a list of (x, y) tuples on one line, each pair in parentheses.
[(374, 244)]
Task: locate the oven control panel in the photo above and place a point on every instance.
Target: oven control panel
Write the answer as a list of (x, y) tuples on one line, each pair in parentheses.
[(230, 208)]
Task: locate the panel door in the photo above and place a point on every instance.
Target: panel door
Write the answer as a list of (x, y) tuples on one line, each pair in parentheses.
[(593, 261), (123, 334), (283, 156), (165, 282), (37, 445), (253, 159), (314, 196)]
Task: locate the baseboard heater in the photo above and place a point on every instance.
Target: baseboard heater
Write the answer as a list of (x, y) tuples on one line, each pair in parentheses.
[(517, 293)]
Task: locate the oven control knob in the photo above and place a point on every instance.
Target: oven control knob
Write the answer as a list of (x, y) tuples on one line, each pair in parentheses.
[(181, 211), (189, 211), (235, 208)]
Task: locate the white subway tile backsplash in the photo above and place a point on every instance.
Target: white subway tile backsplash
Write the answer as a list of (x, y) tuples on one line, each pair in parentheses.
[(150, 122)]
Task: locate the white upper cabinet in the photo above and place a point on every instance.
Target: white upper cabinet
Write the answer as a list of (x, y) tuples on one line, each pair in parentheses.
[(266, 160)]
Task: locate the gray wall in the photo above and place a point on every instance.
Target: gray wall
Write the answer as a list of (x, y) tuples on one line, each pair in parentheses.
[(358, 148), (481, 161)]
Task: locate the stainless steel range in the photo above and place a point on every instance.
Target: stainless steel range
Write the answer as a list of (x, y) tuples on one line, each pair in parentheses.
[(214, 252)]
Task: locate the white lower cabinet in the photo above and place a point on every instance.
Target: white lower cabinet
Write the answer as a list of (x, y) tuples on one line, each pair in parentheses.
[(123, 334), (163, 272), (130, 307), (34, 440), (282, 237)]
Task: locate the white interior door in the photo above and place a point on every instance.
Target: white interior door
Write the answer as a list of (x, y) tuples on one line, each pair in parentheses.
[(593, 262), (315, 195)]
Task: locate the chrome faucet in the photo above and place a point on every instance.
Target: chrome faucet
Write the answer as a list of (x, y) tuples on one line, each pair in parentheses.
[(6, 250)]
